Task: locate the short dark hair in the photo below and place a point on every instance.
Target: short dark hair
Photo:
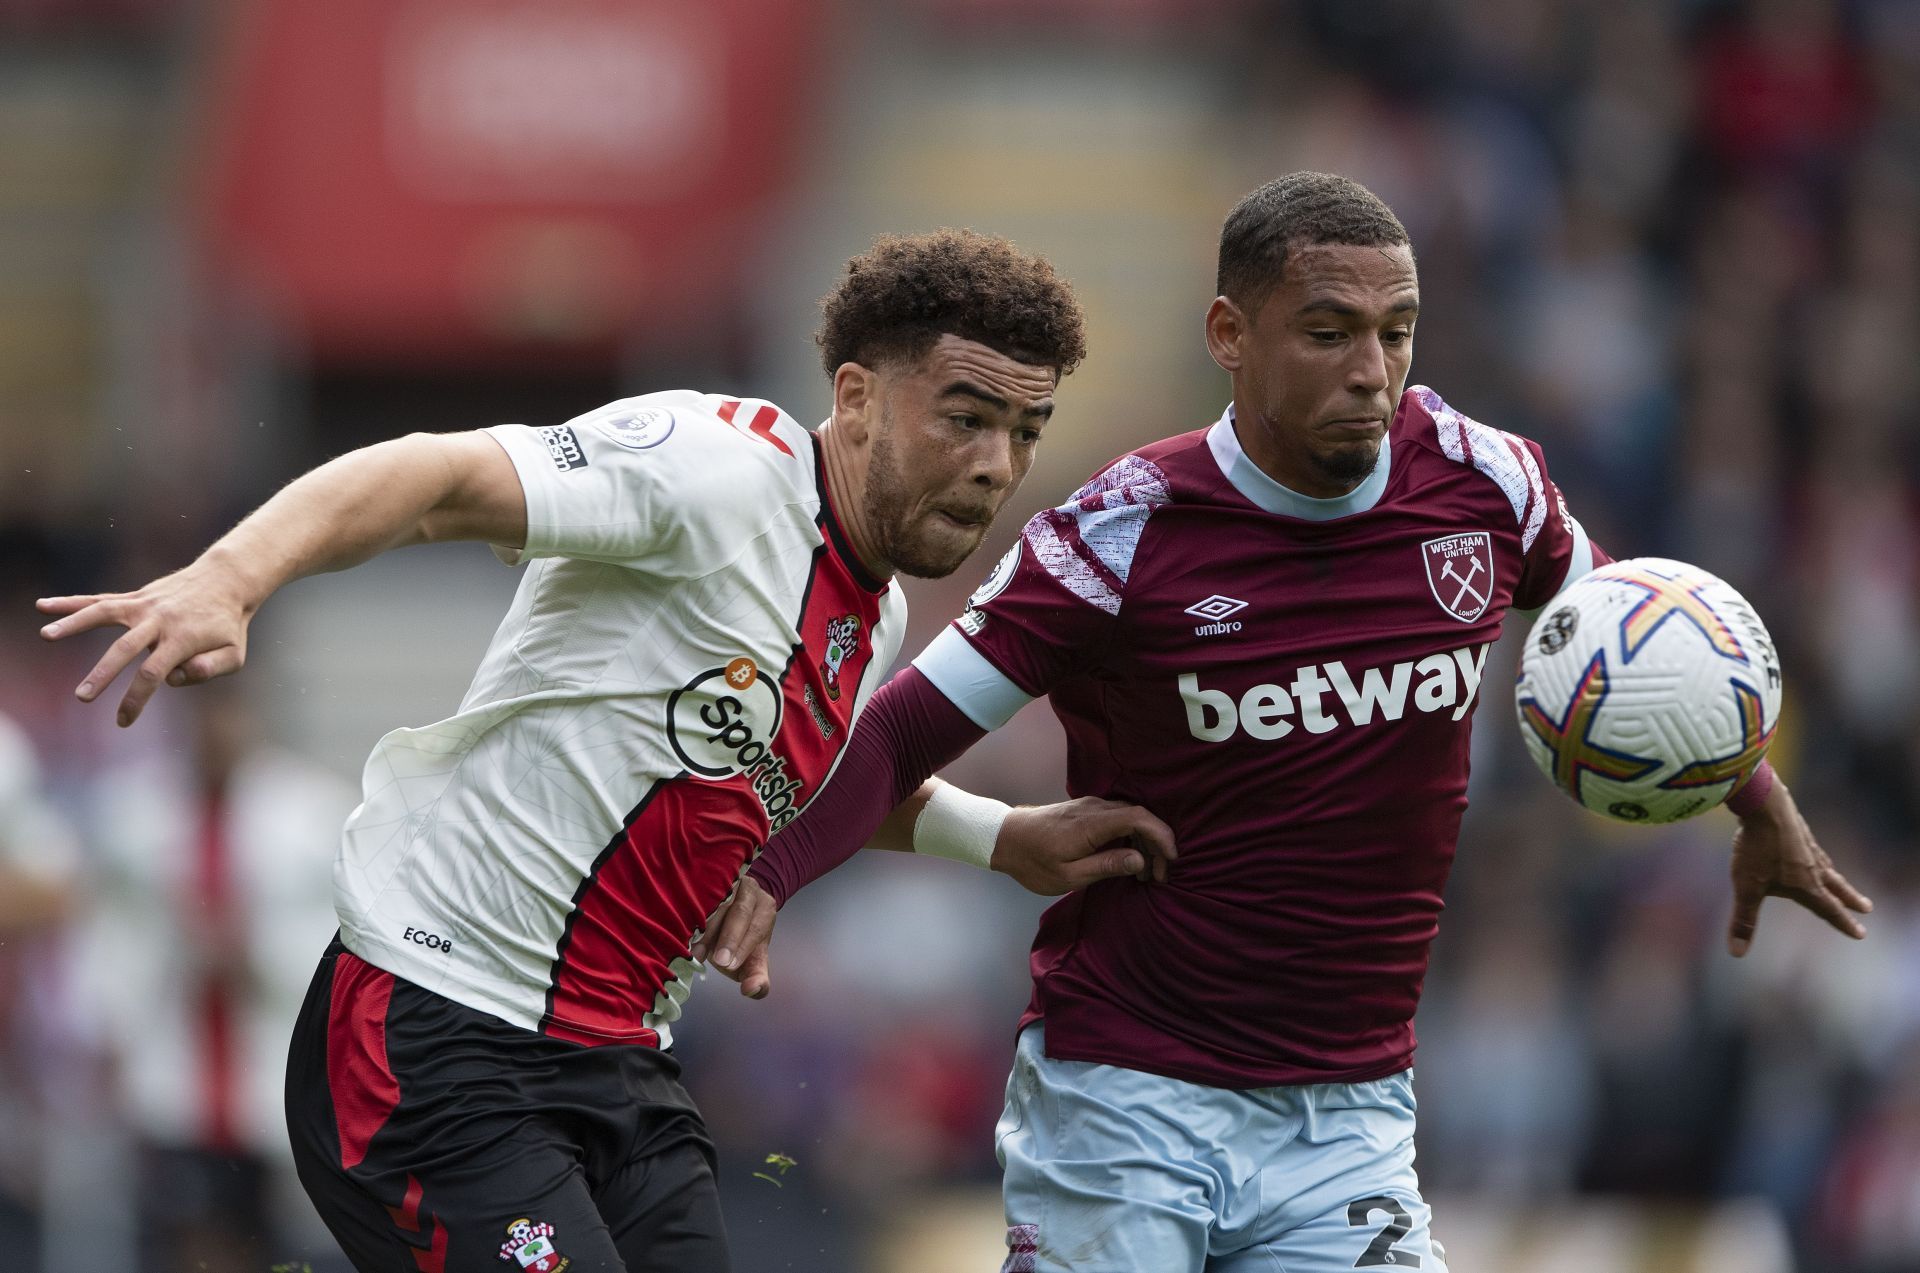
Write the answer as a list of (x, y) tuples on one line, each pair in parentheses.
[(906, 291), (1295, 210)]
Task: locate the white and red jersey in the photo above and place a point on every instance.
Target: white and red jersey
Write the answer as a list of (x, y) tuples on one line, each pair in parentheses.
[(677, 676)]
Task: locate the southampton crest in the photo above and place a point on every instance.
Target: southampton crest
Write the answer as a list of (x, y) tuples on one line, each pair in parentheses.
[(529, 1244), (843, 639), (1460, 572)]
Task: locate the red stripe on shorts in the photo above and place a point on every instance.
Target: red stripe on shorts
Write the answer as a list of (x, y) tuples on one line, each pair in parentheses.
[(363, 1088)]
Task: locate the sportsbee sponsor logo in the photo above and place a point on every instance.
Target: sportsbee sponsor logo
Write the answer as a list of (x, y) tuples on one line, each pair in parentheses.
[(1317, 693), (724, 722), (563, 447)]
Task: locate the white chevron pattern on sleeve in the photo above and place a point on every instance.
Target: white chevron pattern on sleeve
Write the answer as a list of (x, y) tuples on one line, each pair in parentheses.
[(1500, 455), (1087, 544)]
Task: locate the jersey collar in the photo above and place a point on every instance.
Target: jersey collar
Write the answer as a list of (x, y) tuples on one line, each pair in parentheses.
[(1251, 481)]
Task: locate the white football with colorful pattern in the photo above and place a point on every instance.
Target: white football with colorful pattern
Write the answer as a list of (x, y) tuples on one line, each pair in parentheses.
[(1649, 690)]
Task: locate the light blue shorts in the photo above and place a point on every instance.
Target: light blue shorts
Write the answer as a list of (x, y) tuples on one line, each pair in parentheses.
[(1111, 1170)]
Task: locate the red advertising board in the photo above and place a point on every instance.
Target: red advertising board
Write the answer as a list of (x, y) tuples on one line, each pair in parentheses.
[(447, 181)]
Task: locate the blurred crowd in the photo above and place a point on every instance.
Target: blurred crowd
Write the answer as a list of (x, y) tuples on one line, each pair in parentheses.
[(1676, 241)]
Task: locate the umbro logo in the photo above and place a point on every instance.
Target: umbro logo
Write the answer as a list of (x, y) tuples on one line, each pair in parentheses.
[(1217, 610)]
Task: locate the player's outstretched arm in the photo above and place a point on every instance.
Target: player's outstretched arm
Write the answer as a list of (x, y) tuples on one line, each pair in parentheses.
[(1049, 849), (1046, 849), (883, 792), (1775, 855), (192, 624)]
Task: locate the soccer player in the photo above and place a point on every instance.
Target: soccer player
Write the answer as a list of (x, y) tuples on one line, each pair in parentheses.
[(1272, 632), (481, 1070)]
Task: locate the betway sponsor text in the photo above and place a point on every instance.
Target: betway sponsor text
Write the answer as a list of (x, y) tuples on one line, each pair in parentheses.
[(1270, 711)]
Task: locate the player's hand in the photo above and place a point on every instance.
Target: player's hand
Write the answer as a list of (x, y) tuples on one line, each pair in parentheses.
[(1056, 848), (191, 625), (1775, 855), (736, 935)]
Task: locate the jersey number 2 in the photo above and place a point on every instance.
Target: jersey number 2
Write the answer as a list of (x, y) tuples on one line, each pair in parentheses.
[(1380, 1252)]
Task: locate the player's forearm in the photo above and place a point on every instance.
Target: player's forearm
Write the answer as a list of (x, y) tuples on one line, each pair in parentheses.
[(895, 834), (341, 514), (909, 730)]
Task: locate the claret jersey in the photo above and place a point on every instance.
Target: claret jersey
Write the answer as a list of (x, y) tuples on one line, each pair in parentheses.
[(1289, 683), (677, 676)]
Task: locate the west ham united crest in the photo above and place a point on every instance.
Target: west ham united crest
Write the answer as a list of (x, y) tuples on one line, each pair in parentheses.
[(1460, 572)]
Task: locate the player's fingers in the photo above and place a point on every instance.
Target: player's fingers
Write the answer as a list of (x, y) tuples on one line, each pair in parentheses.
[(1130, 822), (147, 679), (89, 613), (1828, 907), (1156, 866), (1104, 865), (1745, 922), (756, 979), (205, 667), (1852, 897), (703, 944), (132, 644), (748, 924), (67, 605)]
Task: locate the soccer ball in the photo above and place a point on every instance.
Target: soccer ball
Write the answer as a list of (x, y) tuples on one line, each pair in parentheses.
[(1649, 690)]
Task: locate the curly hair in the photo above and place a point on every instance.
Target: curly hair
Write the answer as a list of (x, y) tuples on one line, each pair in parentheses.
[(906, 291), (1297, 209)]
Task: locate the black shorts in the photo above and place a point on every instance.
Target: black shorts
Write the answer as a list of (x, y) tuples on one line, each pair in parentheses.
[(437, 1139)]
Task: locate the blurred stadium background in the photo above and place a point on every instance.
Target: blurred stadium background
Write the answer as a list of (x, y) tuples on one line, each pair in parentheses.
[(1677, 241)]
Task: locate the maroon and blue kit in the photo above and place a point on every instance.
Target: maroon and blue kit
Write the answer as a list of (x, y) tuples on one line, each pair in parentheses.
[(1290, 684)]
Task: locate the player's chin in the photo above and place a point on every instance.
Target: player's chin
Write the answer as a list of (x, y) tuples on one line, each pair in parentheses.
[(1348, 461), (939, 546)]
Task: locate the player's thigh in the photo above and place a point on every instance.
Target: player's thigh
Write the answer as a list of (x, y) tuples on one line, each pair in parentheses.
[(1343, 1194), (663, 1205), (465, 1214), (411, 1169), (1388, 1231), (1088, 1189)]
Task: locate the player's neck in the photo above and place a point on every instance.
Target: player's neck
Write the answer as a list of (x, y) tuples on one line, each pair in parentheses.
[(846, 465)]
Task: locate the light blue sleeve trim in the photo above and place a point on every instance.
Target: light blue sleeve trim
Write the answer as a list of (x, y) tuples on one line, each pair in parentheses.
[(1579, 566), (975, 686)]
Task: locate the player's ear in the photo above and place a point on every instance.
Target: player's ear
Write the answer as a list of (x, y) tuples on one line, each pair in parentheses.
[(1226, 328), (856, 401)]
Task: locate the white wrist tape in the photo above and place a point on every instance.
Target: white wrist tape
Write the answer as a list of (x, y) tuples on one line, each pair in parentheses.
[(959, 825)]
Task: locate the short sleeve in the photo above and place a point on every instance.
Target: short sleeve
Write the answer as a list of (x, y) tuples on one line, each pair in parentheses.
[(1560, 552), (1554, 549), (660, 482), (1050, 606)]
